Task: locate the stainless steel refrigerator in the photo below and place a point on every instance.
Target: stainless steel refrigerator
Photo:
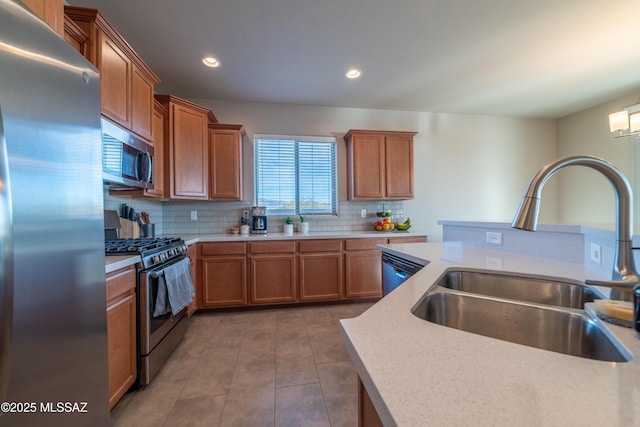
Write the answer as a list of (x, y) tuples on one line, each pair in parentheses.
[(53, 342)]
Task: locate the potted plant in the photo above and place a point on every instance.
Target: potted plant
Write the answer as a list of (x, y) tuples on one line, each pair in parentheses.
[(303, 227), (288, 225)]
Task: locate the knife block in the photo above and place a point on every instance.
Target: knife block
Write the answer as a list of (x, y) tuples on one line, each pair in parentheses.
[(129, 229)]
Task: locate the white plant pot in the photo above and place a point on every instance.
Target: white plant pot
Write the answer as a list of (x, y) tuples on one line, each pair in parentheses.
[(303, 227), (288, 229)]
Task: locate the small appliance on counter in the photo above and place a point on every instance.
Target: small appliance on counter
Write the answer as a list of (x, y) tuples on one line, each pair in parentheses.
[(259, 219)]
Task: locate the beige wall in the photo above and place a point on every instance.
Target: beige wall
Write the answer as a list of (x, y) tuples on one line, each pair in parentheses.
[(466, 167), (587, 197)]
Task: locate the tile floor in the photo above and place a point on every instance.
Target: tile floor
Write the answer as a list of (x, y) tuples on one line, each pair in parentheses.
[(272, 367)]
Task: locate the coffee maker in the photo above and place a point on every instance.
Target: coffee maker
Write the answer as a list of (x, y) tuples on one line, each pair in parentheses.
[(259, 219)]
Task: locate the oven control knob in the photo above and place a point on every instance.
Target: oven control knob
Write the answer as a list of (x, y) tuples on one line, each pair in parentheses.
[(155, 259)]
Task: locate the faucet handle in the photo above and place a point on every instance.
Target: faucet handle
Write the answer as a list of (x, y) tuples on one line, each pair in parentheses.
[(627, 284)]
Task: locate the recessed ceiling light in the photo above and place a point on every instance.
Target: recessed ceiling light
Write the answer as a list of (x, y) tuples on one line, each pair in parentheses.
[(210, 61), (353, 73)]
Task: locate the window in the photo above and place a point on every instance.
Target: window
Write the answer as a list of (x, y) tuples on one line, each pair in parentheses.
[(296, 175)]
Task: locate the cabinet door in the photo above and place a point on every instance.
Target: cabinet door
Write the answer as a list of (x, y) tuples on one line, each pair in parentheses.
[(121, 332), (273, 279), (321, 276), (115, 81), (141, 104), (50, 11), (121, 339), (363, 274), (189, 153), (366, 167), (399, 167), (159, 147), (224, 281), (225, 167)]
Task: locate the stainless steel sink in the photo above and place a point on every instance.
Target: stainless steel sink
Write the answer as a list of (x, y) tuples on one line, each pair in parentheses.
[(531, 289), (562, 330)]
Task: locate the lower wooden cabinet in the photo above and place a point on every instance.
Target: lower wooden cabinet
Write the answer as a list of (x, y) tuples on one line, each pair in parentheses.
[(363, 268), (121, 332), (321, 272), (234, 274), (223, 278), (273, 272), (367, 415)]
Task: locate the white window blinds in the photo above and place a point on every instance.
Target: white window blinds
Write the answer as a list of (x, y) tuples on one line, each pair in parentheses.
[(296, 175)]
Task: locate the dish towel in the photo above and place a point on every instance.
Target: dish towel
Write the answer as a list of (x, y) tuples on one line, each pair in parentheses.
[(175, 289)]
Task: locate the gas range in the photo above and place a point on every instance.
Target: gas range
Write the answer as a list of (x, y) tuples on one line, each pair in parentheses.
[(153, 252)]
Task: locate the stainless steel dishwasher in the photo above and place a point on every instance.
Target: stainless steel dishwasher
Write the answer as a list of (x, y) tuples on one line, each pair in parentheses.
[(396, 270)]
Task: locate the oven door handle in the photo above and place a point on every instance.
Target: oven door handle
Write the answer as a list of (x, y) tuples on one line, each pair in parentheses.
[(158, 273)]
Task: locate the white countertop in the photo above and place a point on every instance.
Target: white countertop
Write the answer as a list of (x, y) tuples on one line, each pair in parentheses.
[(113, 263), (422, 374)]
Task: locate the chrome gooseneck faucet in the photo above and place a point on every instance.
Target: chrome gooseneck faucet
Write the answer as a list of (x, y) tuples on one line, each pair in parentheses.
[(625, 276)]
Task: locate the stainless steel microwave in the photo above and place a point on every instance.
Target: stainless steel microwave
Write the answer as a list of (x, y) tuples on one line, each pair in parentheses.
[(127, 161)]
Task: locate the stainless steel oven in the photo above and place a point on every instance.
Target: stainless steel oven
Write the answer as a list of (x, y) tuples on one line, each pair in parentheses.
[(158, 336)]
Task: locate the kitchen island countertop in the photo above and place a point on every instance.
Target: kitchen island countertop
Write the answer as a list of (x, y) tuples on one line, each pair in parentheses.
[(422, 374)]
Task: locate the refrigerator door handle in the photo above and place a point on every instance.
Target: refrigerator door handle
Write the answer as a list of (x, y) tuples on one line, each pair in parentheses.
[(6, 266)]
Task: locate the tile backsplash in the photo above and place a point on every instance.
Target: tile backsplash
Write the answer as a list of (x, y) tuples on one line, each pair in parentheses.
[(174, 217)]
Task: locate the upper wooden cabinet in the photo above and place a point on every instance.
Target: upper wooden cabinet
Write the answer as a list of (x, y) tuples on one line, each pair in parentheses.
[(380, 165), (225, 161), (50, 11), (187, 139), (126, 82)]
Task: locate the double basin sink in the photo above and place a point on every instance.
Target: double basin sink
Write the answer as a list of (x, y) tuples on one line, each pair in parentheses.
[(535, 312)]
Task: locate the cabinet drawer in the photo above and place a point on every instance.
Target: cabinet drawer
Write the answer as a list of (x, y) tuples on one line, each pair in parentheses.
[(284, 246), (120, 282), (408, 239), (320, 246), (363, 244), (239, 248)]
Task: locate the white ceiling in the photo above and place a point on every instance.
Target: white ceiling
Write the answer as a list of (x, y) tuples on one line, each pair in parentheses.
[(528, 58)]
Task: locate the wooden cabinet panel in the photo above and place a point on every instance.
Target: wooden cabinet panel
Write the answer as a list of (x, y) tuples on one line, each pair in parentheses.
[(364, 244), (188, 148), (158, 136), (367, 167), (121, 332), (224, 281), (329, 245), (408, 239), (115, 82), (399, 166), (75, 36), (273, 279), (367, 414), (126, 82), (50, 11), (279, 246), (235, 248), (225, 162), (141, 104), (379, 165), (321, 276), (363, 274)]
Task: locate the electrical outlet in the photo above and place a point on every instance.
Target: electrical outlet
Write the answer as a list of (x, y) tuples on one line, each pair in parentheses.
[(194, 215), (596, 253), (363, 213), (245, 214), (494, 238)]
